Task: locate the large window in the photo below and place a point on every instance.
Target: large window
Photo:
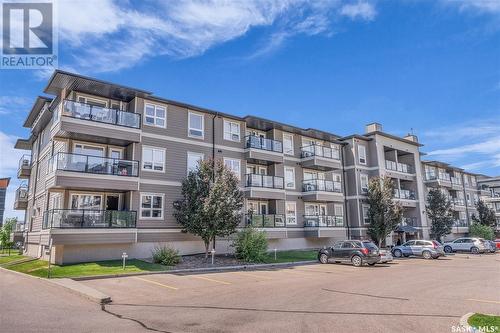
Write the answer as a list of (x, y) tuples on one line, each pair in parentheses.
[(86, 201), (195, 125), (192, 160), (289, 177), (365, 209), (155, 115), (151, 206), (234, 165), (363, 179), (153, 159), (288, 144), (231, 131), (362, 154), (291, 212)]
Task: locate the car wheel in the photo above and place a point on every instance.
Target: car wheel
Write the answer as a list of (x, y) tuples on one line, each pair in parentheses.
[(448, 249), (323, 258), (406, 255), (427, 255), (372, 264), (398, 253), (474, 250), (357, 261)]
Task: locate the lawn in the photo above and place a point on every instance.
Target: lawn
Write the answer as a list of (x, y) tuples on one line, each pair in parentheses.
[(292, 255), (110, 267), (11, 258), (485, 323), (6, 251)]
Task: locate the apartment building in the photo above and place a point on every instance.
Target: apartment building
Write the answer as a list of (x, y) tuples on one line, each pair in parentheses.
[(489, 189), (459, 186), (107, 162)]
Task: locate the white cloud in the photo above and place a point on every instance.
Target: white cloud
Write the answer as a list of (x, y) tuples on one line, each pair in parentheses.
[(485, 147), (485, 6), (363, 10), (8, 104)]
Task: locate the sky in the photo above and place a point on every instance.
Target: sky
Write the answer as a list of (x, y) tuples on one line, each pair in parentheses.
[(431, 68)]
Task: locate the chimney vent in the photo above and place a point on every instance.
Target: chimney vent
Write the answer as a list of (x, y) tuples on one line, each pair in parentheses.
[(373, 127)]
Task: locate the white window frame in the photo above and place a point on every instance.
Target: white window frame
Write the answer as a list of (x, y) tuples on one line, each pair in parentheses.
[(155, 117), (365, 217), (361, 177), (233, 160), (362, 148), (164, 152), (141, 209), (229, 136), (200, 156), (285, 137), (339, 207), (196, 129), (87, 99), (293, 176), (295, 212)]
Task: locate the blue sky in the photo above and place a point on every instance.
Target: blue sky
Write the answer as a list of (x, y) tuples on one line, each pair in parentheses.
[(428, 66)]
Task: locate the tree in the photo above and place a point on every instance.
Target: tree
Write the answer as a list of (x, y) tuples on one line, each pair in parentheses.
[(438, 210), (6, 230), (251, 245), (486, 215), (481, 231), (211, 203), (384, 213)]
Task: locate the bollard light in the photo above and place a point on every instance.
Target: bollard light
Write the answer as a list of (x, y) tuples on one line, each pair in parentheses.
[(275, 250), (213, 255), (124, 258)]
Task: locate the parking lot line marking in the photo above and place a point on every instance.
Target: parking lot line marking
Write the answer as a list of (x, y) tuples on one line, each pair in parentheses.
[(209, 279), (253, 275), (157, 283), (482, 300)]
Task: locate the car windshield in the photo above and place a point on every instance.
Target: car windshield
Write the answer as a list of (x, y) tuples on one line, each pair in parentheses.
[(370, 245)]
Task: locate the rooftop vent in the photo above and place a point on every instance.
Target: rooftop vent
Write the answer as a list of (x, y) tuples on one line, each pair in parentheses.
[(411, 137), (373, 127)]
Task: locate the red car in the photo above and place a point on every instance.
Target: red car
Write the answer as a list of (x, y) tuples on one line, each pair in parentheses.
[(497, 242)]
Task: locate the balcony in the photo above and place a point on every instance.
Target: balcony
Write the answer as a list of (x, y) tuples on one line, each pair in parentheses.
[(320, 157), (456, 183), (84, 121), (262, 150), (24, 169), (399, 167), (264, 187), (88, 219), (21, 198), (321, 190), (460, 223), (458, 204), (324, 226), (93, 172), (408, 197), (443, 179), (266, 220)]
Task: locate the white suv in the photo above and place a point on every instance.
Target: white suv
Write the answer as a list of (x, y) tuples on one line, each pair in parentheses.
[(465, 244)]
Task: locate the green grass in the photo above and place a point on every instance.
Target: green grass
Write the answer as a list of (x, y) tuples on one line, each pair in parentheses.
[(11, 258), (111, 267), (485, 322), (6, 251), (292, 255)]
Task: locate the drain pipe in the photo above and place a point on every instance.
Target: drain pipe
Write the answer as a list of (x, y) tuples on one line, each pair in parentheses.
[(344, 190)]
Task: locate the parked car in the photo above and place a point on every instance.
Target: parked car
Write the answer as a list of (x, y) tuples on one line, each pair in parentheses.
[(497, 242), (490, 245), (354, 251), (385, 256), (420, 248), (465, 244)]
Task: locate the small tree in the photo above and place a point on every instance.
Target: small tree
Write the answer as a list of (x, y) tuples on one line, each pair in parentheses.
[(481, 231), (251, 245), (438, 210), (5, 232), (485, 215), (211, 203), (384, 213)]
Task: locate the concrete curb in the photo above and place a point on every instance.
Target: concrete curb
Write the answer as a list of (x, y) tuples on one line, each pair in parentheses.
[(199, 270), (70, 285), (465, 325)]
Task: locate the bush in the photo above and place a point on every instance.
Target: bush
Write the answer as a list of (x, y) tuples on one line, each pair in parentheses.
[(481, 231), (166, 255), (251, 245)]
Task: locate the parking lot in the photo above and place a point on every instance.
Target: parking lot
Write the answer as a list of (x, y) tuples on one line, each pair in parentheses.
[(407, 295)]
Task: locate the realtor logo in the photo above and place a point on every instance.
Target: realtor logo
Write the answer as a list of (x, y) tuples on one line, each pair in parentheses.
[(28, 35)]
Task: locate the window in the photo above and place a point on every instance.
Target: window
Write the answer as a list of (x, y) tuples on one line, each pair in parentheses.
[(339, 210), (291, 213), (288, 144), (151, 206), (195, 125), (86, 201), (468, 199), (192, 160), (362, 154), (231, 131), (365, 213), (234, 165), (153, 159), (289, 177), (363, 179), (155, 115)]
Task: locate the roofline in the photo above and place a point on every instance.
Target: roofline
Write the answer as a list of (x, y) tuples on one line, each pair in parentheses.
[(356, 136), (395, 138), (33, 113)]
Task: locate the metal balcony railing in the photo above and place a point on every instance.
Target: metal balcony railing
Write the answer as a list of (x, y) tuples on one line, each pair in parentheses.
[(266, 220), (400, 167), (88, 219), (256, 180), (404, 194), (411, 221), (323, 221), (460, 223), (93, 164), (25, 162), (456, 181), (320, 151), (312, 185), (254, 141)]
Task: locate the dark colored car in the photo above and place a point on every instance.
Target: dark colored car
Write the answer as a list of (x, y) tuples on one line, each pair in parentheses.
[(355, 252)]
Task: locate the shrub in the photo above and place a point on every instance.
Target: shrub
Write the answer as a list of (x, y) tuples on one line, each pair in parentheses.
[(251, 245), (166, 255), (482, 231)]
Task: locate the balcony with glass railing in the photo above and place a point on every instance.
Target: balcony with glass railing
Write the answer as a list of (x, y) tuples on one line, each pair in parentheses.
[(404, 194), (456, 181), (460, 223), (265, 181), (444, 177), (321, 185), (458, 201), (24, 168), (318, 221), (266, 220), (93, 164), (88, 219), (320, 151), (21, 198), (399, 167), (257, 142)]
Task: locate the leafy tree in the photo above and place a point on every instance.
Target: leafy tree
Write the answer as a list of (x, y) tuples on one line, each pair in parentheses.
[(211, 203), (438, 210), (6, 230), (486, 215), (384, 213), (251, 245), (481, 231)]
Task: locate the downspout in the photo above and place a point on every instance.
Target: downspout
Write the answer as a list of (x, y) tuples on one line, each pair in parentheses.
[(344, 190), (213, 159), (465, 200)]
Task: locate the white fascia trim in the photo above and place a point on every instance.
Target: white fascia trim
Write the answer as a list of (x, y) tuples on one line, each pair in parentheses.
[(99, 124), (160, 182), (95, 176), (263, 151), (362, 167)]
